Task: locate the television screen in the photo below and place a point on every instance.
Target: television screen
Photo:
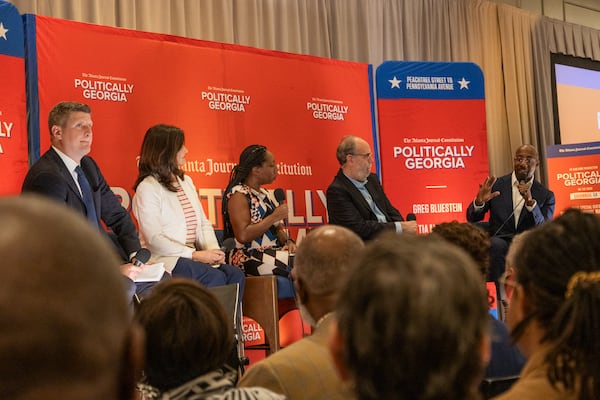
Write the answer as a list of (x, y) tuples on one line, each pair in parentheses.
[(576, 99)]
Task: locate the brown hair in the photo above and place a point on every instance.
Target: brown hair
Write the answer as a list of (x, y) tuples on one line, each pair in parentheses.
[(187, 333), (60, 113), (551, 255), (412, 318), (158, 156)]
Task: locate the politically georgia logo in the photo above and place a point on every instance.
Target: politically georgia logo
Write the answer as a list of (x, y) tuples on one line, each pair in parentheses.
[(103, 87)]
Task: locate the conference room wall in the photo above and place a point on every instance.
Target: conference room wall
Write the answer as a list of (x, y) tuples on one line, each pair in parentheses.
[(511, 45)]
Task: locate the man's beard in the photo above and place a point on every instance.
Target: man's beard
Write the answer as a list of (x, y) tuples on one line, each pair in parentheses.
[(305, 314), (522, 176)]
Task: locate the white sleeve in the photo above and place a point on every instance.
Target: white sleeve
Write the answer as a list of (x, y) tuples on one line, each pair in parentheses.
[(148, 207)]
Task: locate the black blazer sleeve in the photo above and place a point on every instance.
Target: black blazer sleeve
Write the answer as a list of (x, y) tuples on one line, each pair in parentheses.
[(347, 207), (49, 177)]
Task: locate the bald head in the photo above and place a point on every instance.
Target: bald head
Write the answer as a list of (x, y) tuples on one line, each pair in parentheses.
[(325, 256), (65, 318), (528, 148), (525, 162)]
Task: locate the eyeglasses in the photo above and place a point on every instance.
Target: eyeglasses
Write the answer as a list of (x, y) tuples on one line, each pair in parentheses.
[(527, 160), (506, 279), (367, 156)]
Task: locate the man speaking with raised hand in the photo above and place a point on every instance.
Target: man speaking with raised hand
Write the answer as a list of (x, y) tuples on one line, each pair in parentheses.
[(516, 202)]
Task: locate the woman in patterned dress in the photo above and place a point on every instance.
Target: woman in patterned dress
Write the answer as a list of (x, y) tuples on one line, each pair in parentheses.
[(254, 218)]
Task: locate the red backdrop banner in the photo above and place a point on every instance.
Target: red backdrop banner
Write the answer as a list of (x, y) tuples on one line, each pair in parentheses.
[(433, 138), (224, 97), (574, 176), (13, 126)]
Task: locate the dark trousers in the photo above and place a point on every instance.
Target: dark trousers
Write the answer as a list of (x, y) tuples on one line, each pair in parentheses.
[(208, 276)]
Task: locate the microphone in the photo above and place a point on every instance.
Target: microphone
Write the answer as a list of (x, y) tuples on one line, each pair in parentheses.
[(142, 256), (522, 183), (279, 195), (411, 217), (509, 217), (228, 245)]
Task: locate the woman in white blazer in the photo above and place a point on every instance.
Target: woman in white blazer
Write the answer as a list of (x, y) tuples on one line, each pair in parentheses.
[(171, 220)]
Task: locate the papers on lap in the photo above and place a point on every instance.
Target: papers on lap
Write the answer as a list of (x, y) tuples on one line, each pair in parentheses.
[(151, 273)]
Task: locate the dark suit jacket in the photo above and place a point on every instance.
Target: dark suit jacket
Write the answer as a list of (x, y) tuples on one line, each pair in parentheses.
[(346, 206), (501, 207), (49, 176)]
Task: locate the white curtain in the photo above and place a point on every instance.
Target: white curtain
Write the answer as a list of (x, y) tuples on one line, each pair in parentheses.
[(512, 46)]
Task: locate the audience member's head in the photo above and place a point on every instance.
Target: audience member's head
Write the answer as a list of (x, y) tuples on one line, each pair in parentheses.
[(513, 250), (412, 322), (162, 155), (507, 284), (65, 330), (187, 333), (554, 308), (323, 260), (469, 237)]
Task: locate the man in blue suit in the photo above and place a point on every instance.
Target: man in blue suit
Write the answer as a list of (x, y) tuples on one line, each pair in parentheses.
[(516, 202), (57, 175)]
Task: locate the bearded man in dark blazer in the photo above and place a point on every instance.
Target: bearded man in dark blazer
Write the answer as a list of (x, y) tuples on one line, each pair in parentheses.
[(516, 202), (355, 198)]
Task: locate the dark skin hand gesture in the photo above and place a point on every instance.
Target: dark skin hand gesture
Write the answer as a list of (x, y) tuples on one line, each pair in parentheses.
[(485, 193)]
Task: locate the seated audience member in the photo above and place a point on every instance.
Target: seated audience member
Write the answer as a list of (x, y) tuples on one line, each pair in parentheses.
[(65, 325), (506, 282), (355, 198), (516, 202), (170, 216), (305, 370), (188, 340), (253, 218), (66, 174), (553, 314), (412, 322), (506, 360)]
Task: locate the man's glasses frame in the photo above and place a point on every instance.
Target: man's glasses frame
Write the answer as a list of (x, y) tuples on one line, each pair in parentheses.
[(527, 160), (367, 156)]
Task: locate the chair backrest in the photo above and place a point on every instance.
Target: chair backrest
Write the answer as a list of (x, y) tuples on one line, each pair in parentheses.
[(228, 296), (491, 387)]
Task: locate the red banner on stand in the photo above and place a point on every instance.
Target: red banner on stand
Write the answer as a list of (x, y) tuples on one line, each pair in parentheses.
[(13, 125), (224, 97), (433, 138), (574, 176)]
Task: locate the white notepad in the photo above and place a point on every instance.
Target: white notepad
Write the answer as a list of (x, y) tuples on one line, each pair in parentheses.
[(151, 273)]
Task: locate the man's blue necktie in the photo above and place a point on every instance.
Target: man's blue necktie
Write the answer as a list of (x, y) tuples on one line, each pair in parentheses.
[(86, 193)]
